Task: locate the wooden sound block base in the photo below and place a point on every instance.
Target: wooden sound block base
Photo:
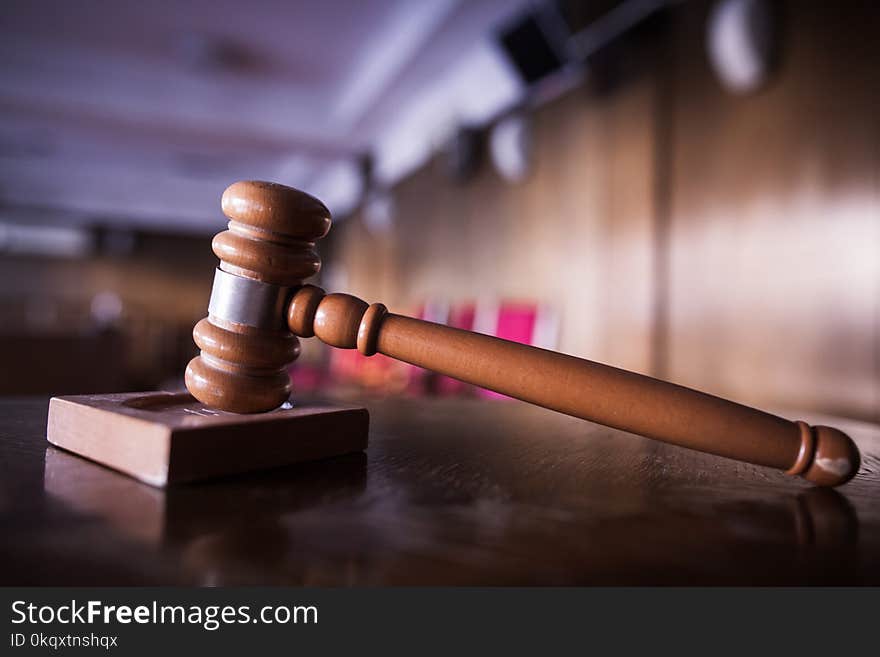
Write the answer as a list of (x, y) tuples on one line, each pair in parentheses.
[(166, 438)]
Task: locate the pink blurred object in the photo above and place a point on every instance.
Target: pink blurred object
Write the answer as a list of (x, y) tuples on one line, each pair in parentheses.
[(519, 321), (306, 377), (345, 365)]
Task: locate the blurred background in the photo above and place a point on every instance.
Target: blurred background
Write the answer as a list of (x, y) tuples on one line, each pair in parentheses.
[(685, 189)]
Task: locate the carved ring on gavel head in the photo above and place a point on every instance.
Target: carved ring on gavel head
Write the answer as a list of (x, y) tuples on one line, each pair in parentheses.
[(258, 306)]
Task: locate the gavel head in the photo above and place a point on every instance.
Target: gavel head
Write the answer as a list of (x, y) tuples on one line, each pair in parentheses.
[(245, 341)]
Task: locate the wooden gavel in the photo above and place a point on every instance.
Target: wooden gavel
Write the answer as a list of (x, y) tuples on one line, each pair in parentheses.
[(259, 306)]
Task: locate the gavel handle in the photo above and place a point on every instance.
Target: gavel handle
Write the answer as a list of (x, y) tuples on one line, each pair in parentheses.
[(599, 393)]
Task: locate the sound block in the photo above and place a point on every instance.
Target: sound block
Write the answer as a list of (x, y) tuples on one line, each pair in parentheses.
[(165, 438)]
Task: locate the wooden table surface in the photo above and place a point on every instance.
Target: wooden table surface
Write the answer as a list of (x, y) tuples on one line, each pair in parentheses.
[(450, 492)]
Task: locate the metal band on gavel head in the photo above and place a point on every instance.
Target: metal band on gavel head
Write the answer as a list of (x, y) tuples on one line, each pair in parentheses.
[(248, 301)]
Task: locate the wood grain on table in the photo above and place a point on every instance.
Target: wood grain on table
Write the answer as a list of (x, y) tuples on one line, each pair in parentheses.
[(455, 492)]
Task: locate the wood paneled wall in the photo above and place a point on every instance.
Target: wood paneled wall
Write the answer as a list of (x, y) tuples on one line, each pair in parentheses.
[(748, 265), (576, 235), (774, 288), (51, 343)]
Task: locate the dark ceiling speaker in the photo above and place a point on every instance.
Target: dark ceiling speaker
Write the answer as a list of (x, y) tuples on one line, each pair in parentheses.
[(569, 35), (462, 153), (366, 164), (535, 44)]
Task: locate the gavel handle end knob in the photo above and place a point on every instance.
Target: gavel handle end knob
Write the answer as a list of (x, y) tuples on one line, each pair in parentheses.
[(827, 457)]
